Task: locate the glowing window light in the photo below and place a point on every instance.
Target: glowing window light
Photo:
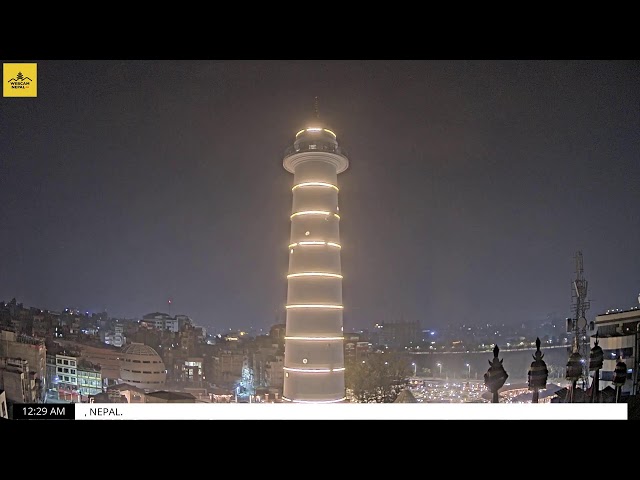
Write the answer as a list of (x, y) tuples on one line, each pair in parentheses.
[(311, 212), (312, 401), (321, 339), (315, 184), (308, 370), (314, 274), (315, 306)]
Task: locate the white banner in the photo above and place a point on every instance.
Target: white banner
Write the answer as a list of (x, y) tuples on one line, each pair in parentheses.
[(351, 411)]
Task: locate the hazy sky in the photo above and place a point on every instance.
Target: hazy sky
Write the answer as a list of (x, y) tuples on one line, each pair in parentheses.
[(471, 186)]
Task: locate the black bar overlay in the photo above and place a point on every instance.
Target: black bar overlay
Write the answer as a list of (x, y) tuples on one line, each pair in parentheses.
[(44, 411)]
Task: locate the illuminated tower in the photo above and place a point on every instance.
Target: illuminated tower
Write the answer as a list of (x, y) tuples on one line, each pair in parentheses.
[(314, 356)]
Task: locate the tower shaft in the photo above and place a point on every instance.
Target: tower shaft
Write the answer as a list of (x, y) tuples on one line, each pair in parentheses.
[(314, 355)]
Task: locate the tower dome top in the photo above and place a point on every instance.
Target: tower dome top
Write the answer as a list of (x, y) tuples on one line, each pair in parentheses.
[(315, 126)]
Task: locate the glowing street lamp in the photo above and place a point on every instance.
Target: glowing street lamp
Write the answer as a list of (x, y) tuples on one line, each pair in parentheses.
[(415, 369), (440, 367), (469, 367)]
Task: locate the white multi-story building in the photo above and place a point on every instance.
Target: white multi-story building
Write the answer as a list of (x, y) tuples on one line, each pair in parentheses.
[(314, 354), (66, 379), (162, 321), (618, 336)]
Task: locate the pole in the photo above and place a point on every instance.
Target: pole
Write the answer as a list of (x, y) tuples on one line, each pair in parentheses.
[(636, 360), (535, 395), (573, 389), (595, 387)]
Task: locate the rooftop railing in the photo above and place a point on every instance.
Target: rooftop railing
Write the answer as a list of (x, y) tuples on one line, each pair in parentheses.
[(315, 146)]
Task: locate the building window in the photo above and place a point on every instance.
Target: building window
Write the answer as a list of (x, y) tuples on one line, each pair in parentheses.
[(73, 372), (72, 363), (59, 369), (66, 362), (606, 376)]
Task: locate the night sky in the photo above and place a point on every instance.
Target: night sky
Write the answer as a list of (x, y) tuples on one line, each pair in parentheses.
[(471, 186)]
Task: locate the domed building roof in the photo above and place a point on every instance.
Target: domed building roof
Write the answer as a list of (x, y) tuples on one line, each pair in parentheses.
[(139, 349), (142, 367)]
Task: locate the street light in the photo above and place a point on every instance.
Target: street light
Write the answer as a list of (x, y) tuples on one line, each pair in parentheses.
[(440, 366), (469, 367), (415, 373)]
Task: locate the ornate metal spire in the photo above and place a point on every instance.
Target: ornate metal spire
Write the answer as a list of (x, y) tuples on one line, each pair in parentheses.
[(496, 375), (538, 373), (619, 377)]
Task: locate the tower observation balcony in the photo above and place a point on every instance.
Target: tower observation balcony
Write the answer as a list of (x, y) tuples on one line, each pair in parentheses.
[(316, 140)]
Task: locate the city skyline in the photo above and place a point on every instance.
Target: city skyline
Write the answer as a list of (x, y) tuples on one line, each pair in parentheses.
[(162, 180)]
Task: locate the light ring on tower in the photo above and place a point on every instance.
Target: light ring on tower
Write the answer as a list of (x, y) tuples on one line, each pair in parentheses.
[(313, 370), (315, 243), (311, 339), (314, 212), (313, 401), (339, 307), (315, 184), (314, 274)]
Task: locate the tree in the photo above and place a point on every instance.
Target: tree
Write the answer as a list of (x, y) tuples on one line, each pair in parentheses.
[(378, 379)]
